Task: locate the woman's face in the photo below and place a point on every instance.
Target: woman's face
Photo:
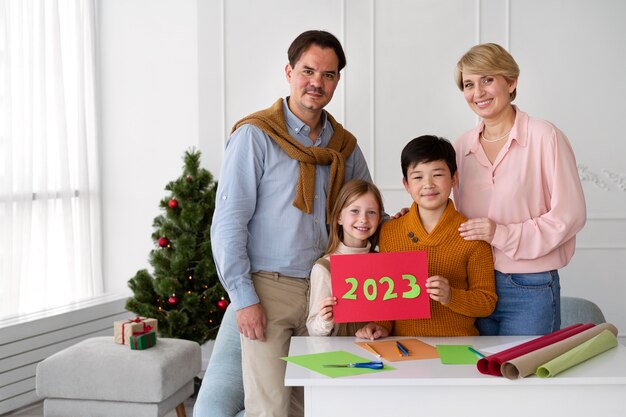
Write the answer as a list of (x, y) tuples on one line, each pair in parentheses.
[(487, 95)]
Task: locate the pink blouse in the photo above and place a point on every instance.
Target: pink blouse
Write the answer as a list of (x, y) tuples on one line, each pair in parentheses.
[(532, 191)]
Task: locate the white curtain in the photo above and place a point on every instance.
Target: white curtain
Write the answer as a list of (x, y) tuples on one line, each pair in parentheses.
[(50, 238)]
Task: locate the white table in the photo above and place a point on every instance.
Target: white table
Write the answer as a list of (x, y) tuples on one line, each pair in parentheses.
[(596, 388)]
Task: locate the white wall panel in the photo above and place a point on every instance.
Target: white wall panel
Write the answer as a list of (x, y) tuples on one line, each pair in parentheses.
[(493, 21), (598, 275), (417, 45), (149, 108), (572, 57), (358, 76), (211, 94), (257, 36)]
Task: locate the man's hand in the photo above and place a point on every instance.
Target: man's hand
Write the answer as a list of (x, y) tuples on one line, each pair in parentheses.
[(252, 322)]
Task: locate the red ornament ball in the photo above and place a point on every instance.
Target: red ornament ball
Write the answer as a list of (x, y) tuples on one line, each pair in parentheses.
[(164, 242), (222, 304), (189, 178), (173, 203), (173, 300)]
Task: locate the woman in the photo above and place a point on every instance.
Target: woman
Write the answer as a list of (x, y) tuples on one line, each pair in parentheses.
[(519, 187)]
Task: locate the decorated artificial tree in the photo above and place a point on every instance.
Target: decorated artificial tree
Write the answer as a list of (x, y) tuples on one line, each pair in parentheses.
[(184, 293)]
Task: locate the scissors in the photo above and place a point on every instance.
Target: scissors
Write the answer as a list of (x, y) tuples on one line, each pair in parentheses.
[(369, 365)]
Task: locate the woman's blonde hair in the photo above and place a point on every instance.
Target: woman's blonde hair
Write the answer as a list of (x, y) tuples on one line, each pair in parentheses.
[(350, 191), (487, 59)]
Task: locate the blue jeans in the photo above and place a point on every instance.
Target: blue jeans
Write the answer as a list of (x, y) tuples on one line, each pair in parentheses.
[(528, 304)]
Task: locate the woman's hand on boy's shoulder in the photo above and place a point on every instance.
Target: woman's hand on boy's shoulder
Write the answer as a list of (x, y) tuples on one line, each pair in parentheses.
[(478, 229)]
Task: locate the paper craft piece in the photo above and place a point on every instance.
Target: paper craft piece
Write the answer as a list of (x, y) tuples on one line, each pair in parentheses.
[(380, 286), (316, 361), (491, 364), (388, 350), (592, 347), (527, 364), (456, 355)]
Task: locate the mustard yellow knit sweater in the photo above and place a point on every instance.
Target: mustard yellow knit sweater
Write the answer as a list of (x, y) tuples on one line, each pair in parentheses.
[(468, 266)]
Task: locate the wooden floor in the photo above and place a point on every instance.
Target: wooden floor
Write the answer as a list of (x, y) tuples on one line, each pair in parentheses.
[(36, 410)]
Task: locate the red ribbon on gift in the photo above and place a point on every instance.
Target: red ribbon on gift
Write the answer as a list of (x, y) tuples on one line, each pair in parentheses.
[(146, 329), (135, 320)]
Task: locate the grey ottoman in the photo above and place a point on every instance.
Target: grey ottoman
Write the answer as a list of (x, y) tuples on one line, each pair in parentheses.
[(99, 378)]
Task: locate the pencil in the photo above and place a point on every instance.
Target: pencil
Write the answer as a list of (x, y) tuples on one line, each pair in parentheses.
[(371, 349)]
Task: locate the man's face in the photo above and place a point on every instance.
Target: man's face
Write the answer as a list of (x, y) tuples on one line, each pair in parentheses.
[(313, 80)]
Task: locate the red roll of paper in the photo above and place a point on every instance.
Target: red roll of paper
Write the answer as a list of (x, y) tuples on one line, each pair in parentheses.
[(490, 365)]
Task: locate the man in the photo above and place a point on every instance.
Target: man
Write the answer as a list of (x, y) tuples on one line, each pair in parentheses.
[(282, 169)]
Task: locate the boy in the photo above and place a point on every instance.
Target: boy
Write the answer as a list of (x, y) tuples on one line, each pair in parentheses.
[(461, 283)]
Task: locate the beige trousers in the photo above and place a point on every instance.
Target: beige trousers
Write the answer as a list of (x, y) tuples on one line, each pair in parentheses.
[(285, 300)]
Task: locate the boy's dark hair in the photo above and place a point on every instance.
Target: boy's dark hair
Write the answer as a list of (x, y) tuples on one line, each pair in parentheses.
[(315, 37), (427, 148)]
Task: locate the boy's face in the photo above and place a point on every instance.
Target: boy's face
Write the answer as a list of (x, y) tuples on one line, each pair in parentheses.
[(429, 184)]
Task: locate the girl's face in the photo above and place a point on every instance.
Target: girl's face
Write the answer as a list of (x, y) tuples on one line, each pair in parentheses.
[(359, 220)]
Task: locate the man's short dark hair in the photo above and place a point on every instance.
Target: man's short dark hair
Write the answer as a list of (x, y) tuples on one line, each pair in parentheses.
[(427, 148), (320, 38)]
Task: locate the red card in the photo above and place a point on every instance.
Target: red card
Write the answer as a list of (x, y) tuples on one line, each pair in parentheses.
[(380, 286)]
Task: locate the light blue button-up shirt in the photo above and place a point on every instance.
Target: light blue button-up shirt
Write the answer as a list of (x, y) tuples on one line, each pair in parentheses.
[(255, 226)]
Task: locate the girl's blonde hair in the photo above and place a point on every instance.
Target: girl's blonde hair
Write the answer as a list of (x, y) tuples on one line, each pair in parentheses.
[(350, 191), (487, 59)]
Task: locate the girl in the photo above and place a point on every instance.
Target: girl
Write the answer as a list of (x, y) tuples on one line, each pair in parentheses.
[(354, 226)]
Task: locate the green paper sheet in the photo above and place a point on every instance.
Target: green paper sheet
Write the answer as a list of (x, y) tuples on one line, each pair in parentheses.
[(456, 355), (592, 347), (316, 361)]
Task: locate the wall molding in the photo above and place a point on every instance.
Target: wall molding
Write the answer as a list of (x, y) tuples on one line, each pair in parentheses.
[(601, 247), (618, 179), (222, 58), (344, 16), (594, 216), (373, 90), (605, 180)]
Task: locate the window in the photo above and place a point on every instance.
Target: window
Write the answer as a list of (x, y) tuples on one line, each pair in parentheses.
[(49, 180)]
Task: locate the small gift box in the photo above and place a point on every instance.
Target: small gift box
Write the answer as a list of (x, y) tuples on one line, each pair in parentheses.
[(124, 329), (143, 339)]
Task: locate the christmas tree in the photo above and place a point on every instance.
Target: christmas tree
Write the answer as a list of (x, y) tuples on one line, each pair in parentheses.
[(184, 294)]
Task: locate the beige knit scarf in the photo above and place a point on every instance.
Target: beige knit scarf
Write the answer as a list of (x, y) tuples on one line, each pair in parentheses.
[(340, 147)]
